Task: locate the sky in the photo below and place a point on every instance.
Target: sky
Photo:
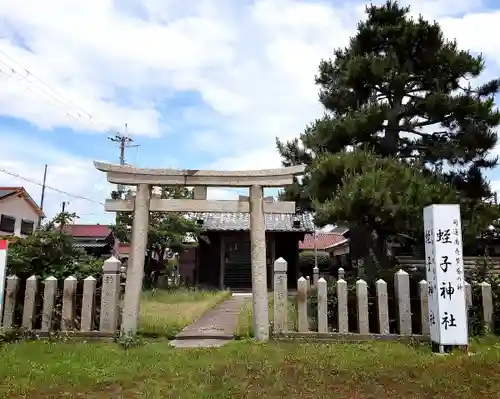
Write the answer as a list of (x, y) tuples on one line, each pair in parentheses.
[(201, 84)]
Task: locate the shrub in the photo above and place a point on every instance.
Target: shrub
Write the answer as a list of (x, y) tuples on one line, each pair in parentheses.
[(482, 274), (474, 277), (50, 253), (332, 305), (306, 262)]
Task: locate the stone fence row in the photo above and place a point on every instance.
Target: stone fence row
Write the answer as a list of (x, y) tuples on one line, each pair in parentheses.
[(90, 307), (371, 307)]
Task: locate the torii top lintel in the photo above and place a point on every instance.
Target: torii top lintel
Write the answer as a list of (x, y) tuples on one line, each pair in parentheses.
[(120, 174)]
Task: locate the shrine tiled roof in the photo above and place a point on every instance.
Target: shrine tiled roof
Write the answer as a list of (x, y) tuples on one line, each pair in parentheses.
[(238, 221)]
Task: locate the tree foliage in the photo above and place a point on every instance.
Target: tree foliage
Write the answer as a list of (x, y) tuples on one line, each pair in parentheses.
[(307, 261), (358, 191), (49, 251), (404, 126), (60, 220), (167, 231)]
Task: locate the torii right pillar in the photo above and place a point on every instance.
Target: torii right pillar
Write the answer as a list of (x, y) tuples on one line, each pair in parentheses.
[(259, 270)]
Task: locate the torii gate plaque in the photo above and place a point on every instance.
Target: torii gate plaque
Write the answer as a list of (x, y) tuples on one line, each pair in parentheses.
[(142, 204)]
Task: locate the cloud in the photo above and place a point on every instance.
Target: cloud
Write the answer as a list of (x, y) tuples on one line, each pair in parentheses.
[(85, 188), (70, 178), (252, 64), (62, 99), (262, 158)]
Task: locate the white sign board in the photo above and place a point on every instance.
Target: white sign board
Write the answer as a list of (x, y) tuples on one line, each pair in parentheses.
[(3, 268), (445, 275)]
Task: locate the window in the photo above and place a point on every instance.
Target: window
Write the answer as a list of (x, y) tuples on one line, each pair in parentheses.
[(7, 224), (27, 226)]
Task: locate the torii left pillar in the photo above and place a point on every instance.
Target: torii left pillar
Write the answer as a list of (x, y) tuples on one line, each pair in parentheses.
[(135, 269)]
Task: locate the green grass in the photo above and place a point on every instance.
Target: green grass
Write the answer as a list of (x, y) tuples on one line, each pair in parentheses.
[(166, 312), (244, 369), (244, 328)]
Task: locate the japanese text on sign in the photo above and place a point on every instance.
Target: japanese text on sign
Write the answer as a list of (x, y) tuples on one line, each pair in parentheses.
[(445, 275)]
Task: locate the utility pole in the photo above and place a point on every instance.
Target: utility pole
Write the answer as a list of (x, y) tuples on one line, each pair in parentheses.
[(315, 249), (124, 141), (43, 195), (63, 209)]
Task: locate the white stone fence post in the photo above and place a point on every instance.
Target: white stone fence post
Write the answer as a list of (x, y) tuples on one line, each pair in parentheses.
[(365, 326), (280, 324), (44, 295), (110, 296)]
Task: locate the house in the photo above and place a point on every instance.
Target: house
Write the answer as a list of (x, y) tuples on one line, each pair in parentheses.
[(336, 242), (333, 243), (123, 250), (94, 239), (19, 213), (223, 257)]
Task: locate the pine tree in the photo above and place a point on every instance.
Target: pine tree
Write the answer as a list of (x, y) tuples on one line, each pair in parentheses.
[(404, 93)]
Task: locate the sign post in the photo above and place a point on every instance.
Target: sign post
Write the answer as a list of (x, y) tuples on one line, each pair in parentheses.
[(3, 268), (445, 276)]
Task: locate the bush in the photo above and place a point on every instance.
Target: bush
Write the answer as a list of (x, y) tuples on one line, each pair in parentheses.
[(476, 323), (171, 266), (306, 262), (50, 253), (332, 306)]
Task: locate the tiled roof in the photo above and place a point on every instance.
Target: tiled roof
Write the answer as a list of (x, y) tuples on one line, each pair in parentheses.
[(331, 228), (5, 191), (323, 240), (238, 221), (87, 230), (124, 248), (90, 245)]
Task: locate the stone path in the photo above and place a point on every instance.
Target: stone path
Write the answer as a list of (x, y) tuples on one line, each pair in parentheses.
[(215, 327)]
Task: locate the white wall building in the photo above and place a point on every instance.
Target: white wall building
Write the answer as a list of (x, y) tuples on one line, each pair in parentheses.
[(19, 213)]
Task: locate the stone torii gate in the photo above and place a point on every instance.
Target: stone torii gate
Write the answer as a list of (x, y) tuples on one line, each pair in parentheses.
[(143, 203)]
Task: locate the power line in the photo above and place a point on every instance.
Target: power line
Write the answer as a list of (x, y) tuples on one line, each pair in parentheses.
[(14, 75), (50, 88), (19, 79), (61, 103), (50, 187), (55, 100), (58, 96), (123, 139), (22, 74)]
